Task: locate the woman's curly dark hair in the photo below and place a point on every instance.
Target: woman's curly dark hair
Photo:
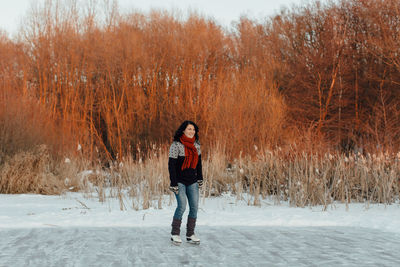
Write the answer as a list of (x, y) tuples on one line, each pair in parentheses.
[(182, 128)]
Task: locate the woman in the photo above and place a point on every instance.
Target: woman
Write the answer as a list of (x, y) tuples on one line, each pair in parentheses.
[(186, 177)]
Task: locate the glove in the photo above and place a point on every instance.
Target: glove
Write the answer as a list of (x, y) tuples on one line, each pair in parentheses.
[(200, 182), (174, 189)]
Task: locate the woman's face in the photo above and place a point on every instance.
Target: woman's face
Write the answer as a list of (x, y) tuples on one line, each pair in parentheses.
[(189, 131)]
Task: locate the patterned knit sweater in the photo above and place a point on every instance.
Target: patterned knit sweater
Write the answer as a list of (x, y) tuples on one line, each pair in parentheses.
[(176, 158)]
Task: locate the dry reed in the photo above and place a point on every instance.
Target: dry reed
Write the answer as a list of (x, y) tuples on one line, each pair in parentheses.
[(30, 172), (300, 178)]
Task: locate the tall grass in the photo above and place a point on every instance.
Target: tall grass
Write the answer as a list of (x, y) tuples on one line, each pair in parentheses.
[(307, 179), (37, 171), (302, 179)]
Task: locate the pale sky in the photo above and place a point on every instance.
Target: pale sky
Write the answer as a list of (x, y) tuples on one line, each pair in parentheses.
[(223, 11)]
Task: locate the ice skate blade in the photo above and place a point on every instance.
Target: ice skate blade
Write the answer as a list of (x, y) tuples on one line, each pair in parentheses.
[(193, 242), (175, 243)]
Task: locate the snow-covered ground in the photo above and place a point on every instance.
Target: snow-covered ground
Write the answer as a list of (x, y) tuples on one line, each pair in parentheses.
[(72, 230), (74, 210)]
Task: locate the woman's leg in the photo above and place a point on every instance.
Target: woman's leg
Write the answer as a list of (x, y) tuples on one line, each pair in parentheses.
[(180, 209), (181, 201), (192, 192)]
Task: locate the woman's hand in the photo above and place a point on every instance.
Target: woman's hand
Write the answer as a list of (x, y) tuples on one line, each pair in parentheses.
[(174, 189), (200, 182)]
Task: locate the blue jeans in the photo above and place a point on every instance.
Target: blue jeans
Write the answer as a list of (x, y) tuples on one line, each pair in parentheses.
[(191, 192)]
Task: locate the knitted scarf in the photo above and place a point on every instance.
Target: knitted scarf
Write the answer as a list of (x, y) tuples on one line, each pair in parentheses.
[(191, 155)]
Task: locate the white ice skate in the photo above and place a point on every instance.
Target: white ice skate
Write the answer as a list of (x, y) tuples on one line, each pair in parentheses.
[(193, 239), (176, 240)]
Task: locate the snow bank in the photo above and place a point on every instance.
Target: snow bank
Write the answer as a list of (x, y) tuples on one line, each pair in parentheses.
[(73, 210)]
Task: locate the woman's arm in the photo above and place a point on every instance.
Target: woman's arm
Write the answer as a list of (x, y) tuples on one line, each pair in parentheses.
[(172, 161), (199, 170)]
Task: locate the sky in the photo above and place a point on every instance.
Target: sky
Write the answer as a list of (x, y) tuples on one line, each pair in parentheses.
[(223, 11)]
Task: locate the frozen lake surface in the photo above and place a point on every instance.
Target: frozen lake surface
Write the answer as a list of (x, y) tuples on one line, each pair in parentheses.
[(220, 246), (73, 230)]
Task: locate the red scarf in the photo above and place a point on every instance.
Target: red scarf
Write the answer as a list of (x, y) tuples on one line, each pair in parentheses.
[(191, 155)]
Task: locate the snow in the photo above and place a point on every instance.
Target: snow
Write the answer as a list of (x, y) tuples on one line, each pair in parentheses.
[(58, 227), (74, 210)]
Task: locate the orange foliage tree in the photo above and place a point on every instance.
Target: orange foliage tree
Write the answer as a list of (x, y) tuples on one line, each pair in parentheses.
[(115, 83)]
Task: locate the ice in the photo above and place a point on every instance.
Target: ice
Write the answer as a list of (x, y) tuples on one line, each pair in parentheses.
[(72, 230)]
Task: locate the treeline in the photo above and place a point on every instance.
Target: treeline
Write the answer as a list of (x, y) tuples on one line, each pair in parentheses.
[(320, 74)]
